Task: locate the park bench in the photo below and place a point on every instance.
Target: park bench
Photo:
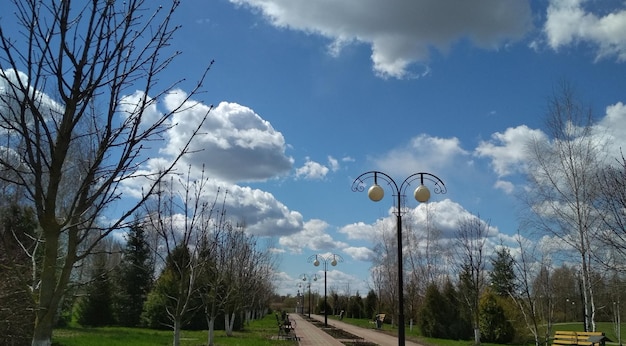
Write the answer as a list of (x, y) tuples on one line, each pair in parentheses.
[(571, 338), (286, 328), (378, 320)]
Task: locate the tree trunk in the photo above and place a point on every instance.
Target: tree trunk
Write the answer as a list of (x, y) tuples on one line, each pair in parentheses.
[(177, 325), (42, 334), (211, 333)]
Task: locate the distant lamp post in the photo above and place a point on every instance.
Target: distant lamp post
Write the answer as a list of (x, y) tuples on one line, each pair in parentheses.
[(333, 259), (421, 194), (309, 278)]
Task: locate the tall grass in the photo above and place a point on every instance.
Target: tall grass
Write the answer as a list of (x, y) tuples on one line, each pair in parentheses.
[(259, 333)]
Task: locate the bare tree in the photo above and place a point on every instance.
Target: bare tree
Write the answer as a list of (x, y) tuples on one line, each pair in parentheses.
[(564, 186), (471, 238), (384, 272), (611, 205), (181, 216), (71, 136)]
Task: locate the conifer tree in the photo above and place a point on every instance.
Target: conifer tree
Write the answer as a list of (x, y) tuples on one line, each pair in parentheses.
[(95, 307), (134, 279)]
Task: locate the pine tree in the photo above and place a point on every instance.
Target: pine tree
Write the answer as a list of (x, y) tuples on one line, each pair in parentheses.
[(134, 280), (95, 307), (503, 275)]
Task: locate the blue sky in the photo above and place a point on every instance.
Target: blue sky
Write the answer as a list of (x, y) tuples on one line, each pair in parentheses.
[(310, 94)]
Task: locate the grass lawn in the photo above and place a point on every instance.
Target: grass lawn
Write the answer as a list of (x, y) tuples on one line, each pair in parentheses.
[(607, 327), (257, 333)]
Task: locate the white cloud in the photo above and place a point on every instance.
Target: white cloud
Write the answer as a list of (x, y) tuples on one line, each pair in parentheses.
[(234, 143), (360, 253), (312, 170), (611, 129), (506, 186), (422, 154), (507, 150), (333, 163), (568, 22), (313, 236), (400, 32)]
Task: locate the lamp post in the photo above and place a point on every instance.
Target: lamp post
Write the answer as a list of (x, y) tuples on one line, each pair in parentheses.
[(309, 278), (421, 194), (333, 259)]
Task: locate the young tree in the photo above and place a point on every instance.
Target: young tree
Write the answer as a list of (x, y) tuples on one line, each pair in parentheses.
[(494, 325), (134, 277), (564, 185), (71, 132), (502, 275), (471, 237), (180, 215), (95, 308)]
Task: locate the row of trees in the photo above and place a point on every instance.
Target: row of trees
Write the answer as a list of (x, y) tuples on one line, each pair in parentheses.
[(573, 214), (79, 84)]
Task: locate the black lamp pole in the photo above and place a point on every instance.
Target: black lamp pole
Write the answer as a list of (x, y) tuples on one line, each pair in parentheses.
[(421, 194), (310, 278), (333, 259)]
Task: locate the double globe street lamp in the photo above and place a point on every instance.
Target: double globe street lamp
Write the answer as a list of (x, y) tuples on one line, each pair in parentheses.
[(421, 194), (310, 278), (333, 259)]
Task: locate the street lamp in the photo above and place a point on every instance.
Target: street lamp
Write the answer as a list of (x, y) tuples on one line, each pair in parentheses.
[(332, 259), (310, 278), (421, 194)]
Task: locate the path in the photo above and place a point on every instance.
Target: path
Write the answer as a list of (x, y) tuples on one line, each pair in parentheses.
[(311, 335)]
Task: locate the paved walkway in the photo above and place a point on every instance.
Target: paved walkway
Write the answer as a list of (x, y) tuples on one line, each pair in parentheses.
[(310, 335)]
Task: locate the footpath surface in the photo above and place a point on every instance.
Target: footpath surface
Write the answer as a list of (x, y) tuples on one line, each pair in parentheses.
[(310, 335)]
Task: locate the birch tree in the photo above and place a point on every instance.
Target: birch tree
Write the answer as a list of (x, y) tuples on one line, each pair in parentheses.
[(563, 185), (471, 238), (79, 84)]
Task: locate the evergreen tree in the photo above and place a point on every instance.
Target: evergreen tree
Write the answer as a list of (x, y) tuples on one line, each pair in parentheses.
[(494, 326), (134, 279), (95, 308), (457, 316), (433, 314), (503, 274), (370, 305)]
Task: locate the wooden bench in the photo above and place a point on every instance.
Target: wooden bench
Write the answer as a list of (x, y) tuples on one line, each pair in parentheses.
[(570, 338)]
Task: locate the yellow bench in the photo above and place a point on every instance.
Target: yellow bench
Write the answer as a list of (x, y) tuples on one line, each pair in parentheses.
[(570, 338)]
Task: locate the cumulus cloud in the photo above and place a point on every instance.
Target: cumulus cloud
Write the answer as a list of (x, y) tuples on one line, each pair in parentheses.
[(360, 253), (234, 143), (612, 128), (507, 150), (569, 22), (312, 170), (313, 236), (400, 32), (423, 153)]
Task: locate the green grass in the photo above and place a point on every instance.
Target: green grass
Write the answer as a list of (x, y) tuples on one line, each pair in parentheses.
[(607, 327), (257, 333)]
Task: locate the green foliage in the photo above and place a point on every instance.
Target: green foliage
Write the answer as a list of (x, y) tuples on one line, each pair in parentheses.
[(440, 314), (503, 274), (95, 307), (154, 313), (494, 325), (355, 306), (371, 301), (133, 279)]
